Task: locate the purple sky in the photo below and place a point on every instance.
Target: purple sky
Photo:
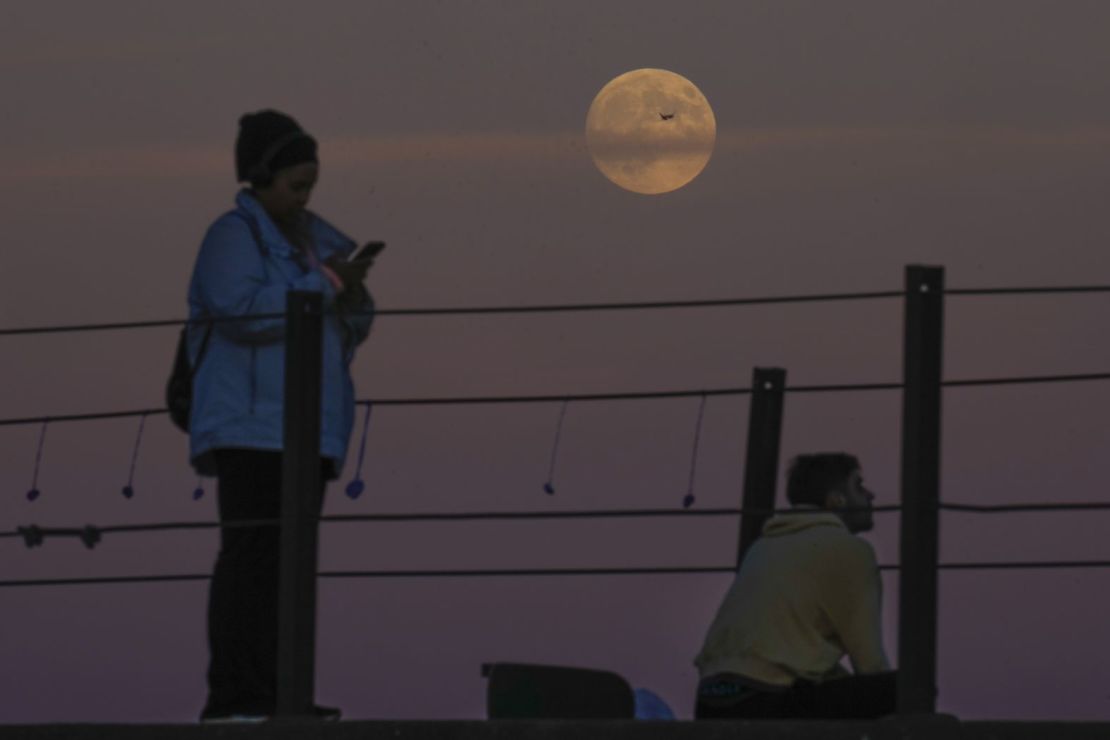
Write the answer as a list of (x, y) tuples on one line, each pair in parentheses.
[(853, 138)]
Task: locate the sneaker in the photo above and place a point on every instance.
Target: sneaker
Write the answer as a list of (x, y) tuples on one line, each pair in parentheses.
[(328, 714)]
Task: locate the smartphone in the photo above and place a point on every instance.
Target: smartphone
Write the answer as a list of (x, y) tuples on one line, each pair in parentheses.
[(369, 251)]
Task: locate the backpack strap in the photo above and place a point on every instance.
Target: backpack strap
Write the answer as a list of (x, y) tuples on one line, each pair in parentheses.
[(256, 234)]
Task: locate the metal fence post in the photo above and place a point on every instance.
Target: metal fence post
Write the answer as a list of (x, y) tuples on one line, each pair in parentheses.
[(300, 482), (921, 406), (762, 462)]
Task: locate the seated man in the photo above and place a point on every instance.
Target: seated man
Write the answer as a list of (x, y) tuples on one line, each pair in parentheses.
[(807, 592)]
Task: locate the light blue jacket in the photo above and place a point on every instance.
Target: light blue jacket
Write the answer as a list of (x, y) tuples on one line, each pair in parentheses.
[(238, 388)]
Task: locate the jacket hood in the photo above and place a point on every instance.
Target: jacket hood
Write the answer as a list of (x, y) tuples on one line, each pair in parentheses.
[(801, 518)]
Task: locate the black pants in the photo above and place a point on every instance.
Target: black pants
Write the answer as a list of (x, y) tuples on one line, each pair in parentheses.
[(853, 697), (243, 595)]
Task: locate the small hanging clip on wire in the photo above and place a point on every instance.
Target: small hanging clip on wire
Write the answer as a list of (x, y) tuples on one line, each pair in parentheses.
[(32, 536), (90, 535), (689, 499), (129, 490), (34, 493), (549, 486), (357, 486)]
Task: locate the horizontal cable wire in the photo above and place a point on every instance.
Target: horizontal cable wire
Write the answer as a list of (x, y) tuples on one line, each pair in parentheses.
[(519, 515), (1034, 290), (419, 402), (152, 324), (1026, 565), (962, 383), (536, 515), (410, 517), (151, 527), (96, 416), (574, 307), (516, 572), (105, 580), (1026, 380), (509, 572), (551, 308), (40, 533), (1013, 508), (652, 305), (25, 330), (414, 517), (842, 387), (628, 396), (548, 398), (77, 532), (598, 514)]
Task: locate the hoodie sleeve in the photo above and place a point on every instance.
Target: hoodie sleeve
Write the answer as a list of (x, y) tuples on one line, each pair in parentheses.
[(854, 607), (232, 280)]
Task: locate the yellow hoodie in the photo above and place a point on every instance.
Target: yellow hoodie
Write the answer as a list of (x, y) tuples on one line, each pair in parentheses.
[(808, 591)]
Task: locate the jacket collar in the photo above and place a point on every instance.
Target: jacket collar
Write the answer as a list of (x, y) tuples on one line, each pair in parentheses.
[(272, 238), (328, 238)]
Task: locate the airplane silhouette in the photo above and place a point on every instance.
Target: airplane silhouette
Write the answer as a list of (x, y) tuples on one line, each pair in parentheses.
[(666, 116)]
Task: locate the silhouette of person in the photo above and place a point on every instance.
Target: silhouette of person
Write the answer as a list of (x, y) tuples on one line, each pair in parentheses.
[(249, 259), (807, 593)]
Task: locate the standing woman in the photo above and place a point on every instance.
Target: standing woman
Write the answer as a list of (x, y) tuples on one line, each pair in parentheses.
[(251, 256)]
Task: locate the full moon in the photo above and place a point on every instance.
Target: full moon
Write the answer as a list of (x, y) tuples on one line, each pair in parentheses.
[(650, 131)]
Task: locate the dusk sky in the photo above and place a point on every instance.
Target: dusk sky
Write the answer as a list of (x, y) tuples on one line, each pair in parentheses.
[(852, 139)]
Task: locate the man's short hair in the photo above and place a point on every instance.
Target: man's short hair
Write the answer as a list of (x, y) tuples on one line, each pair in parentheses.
[(811, 477)]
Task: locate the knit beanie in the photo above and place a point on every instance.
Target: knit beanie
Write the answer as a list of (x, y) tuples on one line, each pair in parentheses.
[(270, 141)]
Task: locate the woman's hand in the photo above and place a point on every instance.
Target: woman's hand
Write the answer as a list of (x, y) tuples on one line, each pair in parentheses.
[(351, 273)]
